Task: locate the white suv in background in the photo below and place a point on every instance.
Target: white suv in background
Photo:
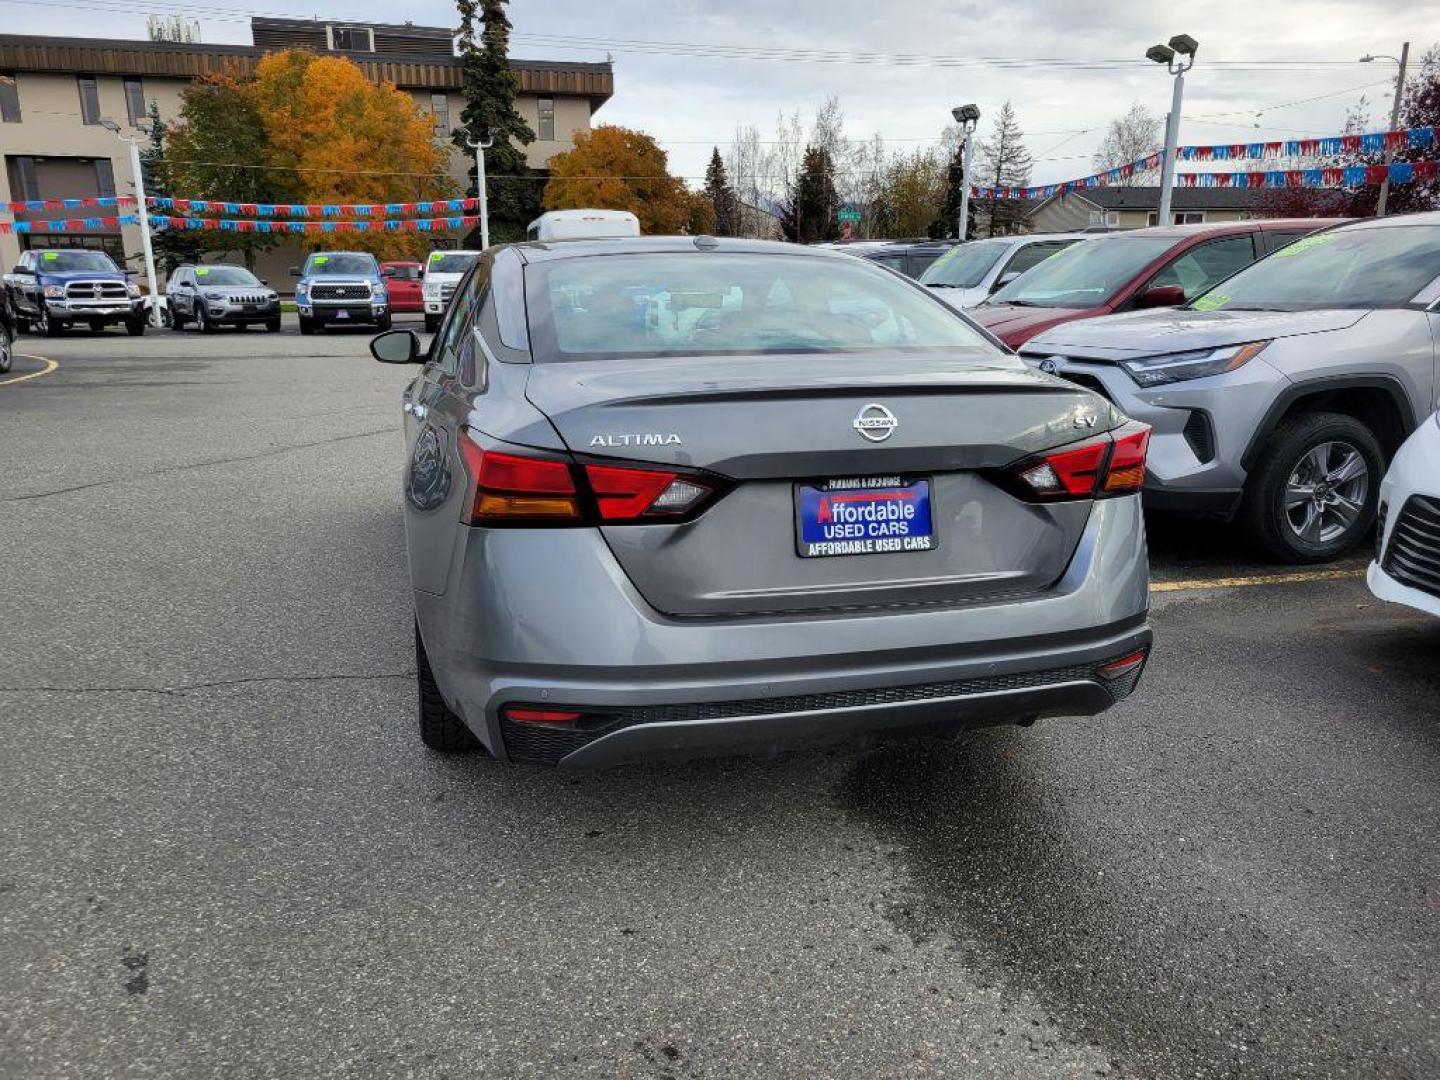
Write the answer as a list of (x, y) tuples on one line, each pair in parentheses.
[(443, 271), (1406, 569), (968, 273)]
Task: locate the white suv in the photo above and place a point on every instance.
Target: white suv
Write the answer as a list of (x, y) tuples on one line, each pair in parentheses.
[(1406, 569), (443, 271)]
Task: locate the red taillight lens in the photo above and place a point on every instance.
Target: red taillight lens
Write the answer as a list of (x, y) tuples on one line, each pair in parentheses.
[(1113, 464), (540, 716), (510, 489), (625, 494), (1117, 669), (1127, 461)]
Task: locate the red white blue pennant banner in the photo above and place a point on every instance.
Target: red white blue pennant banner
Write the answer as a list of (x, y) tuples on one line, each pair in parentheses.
[(189, 208), (35, 206), (1346, 176), (247, 225), (1416, 138), (90, 224)]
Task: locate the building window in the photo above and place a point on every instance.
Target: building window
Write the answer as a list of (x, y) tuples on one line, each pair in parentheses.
[(28, 183), (134, 99), (89, 99), (546, 132), (105, 177), (1108, 218), (9, 98), (1182, 217), (440, 110), (352, 39)]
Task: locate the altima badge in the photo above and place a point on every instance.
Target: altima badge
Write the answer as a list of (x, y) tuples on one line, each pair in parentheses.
[(649, 438), (876, 422)]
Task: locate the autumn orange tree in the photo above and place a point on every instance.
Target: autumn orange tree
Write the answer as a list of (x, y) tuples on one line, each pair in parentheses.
[(346, 139), (617, 168)]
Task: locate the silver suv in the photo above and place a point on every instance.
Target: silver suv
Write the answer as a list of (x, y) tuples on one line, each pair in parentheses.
[(1277, 396)]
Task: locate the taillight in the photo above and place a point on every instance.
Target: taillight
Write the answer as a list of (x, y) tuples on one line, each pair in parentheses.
[(1112, 464), (527, 715), (625, 494), (517, 489), (510, 489)]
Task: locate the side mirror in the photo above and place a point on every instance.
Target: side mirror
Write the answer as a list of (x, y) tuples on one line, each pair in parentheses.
[(294, 271), (23, 270), (1005, 279), (1161, 296), (264, 281), (396, 347)]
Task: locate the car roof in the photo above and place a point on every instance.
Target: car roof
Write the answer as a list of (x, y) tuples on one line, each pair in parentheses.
[(1428, 217), (1224, 228), (535, 251)]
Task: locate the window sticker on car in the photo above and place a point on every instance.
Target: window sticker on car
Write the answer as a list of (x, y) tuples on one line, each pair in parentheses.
[(1209, 302), (436, 256), (201, 271), (321, 260), (1305, 244), (51, 256)]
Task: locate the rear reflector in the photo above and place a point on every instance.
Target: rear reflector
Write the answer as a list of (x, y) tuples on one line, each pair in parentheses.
[(1118, 669), (1112, 464), (539, 716)]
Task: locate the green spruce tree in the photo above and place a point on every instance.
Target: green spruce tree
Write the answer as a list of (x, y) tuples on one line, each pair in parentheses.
[(722, 197), (1006, 164), (172, 247), (810, 215), (489, 87)]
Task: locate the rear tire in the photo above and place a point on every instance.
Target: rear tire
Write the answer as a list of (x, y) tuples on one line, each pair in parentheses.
[(432, 323), (135, 327), (385, 324), (7, 349), (440, 729), (307, 326), (1332, 451)]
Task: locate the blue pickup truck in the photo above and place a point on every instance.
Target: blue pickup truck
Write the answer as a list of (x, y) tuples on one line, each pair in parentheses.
[(52, 289), (340, 287)]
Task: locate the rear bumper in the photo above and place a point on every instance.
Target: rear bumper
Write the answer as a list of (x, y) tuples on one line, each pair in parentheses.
[(547, 618)]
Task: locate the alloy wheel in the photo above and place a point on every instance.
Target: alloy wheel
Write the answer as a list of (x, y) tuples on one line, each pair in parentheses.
[(1326, 492)]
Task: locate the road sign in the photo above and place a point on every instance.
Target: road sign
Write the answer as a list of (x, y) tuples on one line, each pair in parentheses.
[(848, 215)]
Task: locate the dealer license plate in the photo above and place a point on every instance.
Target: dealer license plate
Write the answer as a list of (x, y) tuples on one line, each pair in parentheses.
[(863, 516)]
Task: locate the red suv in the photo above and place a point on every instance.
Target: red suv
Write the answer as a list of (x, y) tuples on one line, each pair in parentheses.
[(1163, 266), (402, 279)]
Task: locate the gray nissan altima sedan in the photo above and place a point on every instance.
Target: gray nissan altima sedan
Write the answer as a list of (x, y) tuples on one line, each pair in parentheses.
[(674, 497)]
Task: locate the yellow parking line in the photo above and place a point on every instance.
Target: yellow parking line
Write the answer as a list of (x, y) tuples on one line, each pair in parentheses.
[(1256, 579), (50, 365)]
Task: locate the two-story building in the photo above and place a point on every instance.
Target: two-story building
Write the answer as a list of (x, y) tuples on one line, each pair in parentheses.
[(55, 93)]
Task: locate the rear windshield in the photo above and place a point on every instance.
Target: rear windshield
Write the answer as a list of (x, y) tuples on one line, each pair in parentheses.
[(66, 261), (345, 262), (1347, 268), (225, 275), (402, 271), (1084, 274), (965, 266), (687, 304), (441, 263)]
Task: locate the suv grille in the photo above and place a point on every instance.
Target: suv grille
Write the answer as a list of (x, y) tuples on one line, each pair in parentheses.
[(547, 745), (1413, 555), (447, 292), (339, 292)]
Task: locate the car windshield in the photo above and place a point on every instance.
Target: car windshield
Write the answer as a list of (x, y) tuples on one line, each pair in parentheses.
[(1347, 268), (346, 262), (66, 261), (686, 304), (965, 266), (1084, 274), (450, 263), (225, 275)]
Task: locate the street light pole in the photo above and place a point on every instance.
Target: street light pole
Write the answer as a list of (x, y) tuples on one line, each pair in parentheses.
[(133, 142), (1178, 58), (1403, 61), (480, 147), (968, 117)]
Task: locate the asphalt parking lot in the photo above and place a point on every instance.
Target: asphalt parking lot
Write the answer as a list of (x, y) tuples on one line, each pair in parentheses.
[(226, 853)]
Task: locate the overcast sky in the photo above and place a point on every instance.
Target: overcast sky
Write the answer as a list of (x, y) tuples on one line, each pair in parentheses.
[(692, 102)]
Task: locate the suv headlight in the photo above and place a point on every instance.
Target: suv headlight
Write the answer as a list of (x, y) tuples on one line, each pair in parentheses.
[(301, 291), (132, 288), (380, 296), (1178, 367), (54, 292), (214, 296)]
